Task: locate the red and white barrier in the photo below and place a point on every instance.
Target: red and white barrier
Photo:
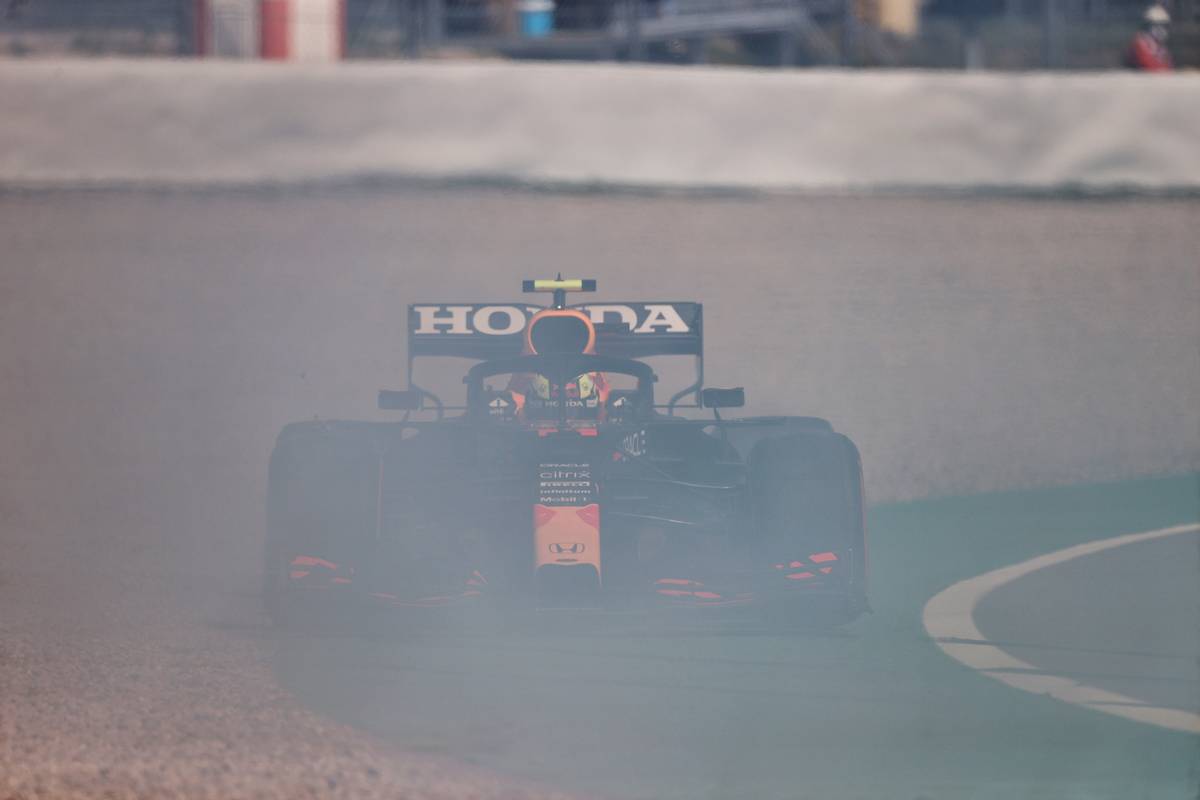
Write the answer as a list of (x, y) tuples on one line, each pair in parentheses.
[(303, 30), (282, 30)]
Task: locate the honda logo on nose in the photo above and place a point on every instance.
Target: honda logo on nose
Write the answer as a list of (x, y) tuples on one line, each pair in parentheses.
[(562, 548)]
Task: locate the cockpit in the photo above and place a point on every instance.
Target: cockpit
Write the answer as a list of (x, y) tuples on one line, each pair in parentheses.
[(560, 389)]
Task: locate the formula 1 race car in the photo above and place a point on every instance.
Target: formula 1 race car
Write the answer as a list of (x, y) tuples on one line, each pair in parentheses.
[(562, 483)]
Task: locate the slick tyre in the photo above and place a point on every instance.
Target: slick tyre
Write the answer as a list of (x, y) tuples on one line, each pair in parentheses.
[(808, 499), (321, 496)]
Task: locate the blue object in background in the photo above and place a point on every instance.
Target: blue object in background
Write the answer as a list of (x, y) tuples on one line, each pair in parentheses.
[(537, 17)]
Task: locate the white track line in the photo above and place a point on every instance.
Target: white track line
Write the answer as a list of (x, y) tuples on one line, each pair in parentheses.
[(948, 619)]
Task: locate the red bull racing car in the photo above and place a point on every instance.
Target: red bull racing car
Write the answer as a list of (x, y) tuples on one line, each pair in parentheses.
[(563, 482)]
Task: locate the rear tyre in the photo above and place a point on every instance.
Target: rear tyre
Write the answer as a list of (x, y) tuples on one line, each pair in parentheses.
[(808, 500)]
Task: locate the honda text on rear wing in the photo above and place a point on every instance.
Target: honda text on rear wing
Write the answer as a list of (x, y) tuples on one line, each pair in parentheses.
[(628, 329)]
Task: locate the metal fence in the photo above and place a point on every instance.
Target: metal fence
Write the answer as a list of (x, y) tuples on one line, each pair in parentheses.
[(581, 29), (1004, 34), (134, 27), (1055, 34)]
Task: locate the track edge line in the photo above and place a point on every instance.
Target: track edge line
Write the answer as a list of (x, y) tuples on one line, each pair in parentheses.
[(948, 619)]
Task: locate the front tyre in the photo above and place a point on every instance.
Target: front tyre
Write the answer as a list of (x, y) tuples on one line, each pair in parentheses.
[(321, 505), (809, 545)]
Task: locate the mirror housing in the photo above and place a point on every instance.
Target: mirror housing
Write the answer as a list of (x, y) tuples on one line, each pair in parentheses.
[(500, 403), (401, 400), (622, 403), (723, 398)]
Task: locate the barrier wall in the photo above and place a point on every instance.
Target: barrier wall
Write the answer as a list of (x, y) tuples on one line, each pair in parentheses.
[(146, 122)]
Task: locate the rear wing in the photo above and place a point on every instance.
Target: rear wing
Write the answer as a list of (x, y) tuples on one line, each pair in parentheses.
[(486, 331)]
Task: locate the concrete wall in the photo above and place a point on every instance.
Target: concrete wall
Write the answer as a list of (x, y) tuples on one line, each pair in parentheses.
[(146, 122)]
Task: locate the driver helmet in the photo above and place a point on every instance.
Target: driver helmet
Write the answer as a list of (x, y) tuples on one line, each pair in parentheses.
[(585, 394)]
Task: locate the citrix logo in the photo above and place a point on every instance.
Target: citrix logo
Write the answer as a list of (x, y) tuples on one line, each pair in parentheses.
[(565, 475)]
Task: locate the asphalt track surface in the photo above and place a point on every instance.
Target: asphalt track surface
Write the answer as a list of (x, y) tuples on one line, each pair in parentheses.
[(687, 708), (1141, 603), (153, 343)]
